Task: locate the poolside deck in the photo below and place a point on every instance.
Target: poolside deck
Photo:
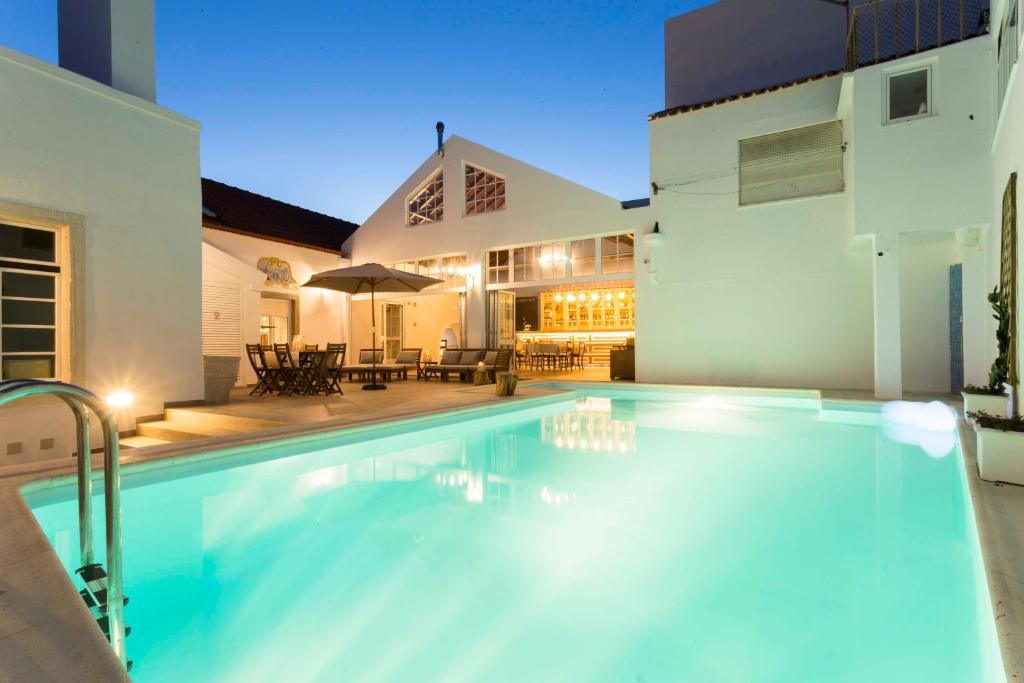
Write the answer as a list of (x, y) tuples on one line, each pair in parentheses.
[(249, 414)]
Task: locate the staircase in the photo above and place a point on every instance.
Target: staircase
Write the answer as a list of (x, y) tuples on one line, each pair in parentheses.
[(187, 424)]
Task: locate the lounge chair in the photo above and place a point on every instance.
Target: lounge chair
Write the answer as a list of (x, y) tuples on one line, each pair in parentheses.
[(464, 367), (407, 359), (365, 364), (497, 361)]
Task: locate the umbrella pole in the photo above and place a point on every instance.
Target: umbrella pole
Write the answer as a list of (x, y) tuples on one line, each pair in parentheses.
[(373, 386)]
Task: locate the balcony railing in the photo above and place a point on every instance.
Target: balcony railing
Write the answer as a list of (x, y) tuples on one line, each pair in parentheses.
[(889, 29)]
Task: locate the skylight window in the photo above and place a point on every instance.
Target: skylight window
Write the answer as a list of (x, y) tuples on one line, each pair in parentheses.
[(485, 191), (427, 204)]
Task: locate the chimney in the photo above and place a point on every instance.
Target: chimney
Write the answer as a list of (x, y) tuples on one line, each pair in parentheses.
[(110, 41)]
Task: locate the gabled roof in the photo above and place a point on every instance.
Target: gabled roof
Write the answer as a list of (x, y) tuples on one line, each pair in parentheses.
[(246, 213)]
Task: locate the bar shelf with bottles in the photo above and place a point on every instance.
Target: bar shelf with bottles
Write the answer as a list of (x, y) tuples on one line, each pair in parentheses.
[(601, 318)]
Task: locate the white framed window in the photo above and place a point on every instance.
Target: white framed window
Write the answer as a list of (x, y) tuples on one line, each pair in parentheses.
[(1009, 47), (30, 302), (426, 205), (908, 94), (617, 253), (802, 162), (485, 191)]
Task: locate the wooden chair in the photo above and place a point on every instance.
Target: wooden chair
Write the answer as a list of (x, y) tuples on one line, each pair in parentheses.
[(335, 361), (292, 378), (266, 376)]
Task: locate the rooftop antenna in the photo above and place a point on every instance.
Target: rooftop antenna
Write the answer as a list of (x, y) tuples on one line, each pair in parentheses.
[(440, 138)]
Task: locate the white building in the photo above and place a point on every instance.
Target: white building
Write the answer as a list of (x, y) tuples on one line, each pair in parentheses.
[(257, 251), (825, 227), (508, 239), (100, 237)]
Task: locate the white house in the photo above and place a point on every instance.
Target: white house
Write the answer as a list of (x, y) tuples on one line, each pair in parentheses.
[(810, 226), (257, 251), (100, 236), (829, 226), (516, 247)]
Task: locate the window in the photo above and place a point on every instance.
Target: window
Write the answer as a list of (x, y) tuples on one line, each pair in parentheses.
[(30, 289), (427, 204), (795, 163), (392, 340), (1009, 45), (497, 267), (451, 270), (485, 191), (908, 95), (552, 261), (276, 316), (524, 264), (617, 254), (584, 260)]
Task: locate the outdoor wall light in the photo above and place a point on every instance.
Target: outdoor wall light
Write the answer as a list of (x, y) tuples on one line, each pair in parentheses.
[(654, 240), (120, 399)]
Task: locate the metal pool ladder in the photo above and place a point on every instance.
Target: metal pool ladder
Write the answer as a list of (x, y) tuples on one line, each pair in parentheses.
[(104, 589)]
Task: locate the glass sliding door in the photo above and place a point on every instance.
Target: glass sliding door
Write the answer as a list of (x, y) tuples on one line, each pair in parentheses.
[(501, 319)]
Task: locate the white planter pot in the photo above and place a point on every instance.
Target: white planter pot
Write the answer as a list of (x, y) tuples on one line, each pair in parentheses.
[(993, 405), (1000, 455)]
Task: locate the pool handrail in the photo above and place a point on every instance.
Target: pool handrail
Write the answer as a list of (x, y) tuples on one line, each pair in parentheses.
[(80, 401)]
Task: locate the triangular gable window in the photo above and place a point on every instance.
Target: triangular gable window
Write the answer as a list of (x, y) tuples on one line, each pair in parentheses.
[(485, 191), (427, 204)]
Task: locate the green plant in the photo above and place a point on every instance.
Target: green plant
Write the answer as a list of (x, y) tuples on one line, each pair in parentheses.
[(985, 390), (1003, 424), (1000, 366)]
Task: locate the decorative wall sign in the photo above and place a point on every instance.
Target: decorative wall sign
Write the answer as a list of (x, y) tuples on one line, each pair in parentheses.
[(278, 272)]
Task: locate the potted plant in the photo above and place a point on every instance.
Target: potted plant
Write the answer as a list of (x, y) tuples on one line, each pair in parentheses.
[(992, 399), (1000, 447)]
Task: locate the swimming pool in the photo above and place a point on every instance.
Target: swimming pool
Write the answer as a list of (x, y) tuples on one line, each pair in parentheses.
[(609, 535)]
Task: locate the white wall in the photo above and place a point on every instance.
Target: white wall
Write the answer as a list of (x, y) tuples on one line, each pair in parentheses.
[(925, 259), (768, 295), (424, 319), (323, 314), (541, 207), (1007, 157), (131, 168), (930, 173)]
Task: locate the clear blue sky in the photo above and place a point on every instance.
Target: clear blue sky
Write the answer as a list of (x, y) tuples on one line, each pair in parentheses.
[(331, 104)]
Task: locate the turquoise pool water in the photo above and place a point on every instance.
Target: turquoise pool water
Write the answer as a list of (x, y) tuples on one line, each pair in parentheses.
[(618, 536)]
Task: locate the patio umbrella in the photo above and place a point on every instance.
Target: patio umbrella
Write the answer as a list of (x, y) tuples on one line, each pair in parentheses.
[(372, 278)]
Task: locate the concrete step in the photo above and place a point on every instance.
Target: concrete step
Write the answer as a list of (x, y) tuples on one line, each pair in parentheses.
[(166, 430), (141, 441), (210, 422)]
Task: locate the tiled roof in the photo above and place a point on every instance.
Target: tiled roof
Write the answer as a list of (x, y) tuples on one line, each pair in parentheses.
[(247, 213), (732, 98)]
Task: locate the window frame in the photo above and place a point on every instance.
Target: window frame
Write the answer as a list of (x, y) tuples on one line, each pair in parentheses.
[(1004, 70), (465, 190), (430, 179), (887, 77), (607, 257), (57, 269)]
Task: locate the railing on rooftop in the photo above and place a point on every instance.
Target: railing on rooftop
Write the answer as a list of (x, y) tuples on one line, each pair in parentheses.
[(889, 29)]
